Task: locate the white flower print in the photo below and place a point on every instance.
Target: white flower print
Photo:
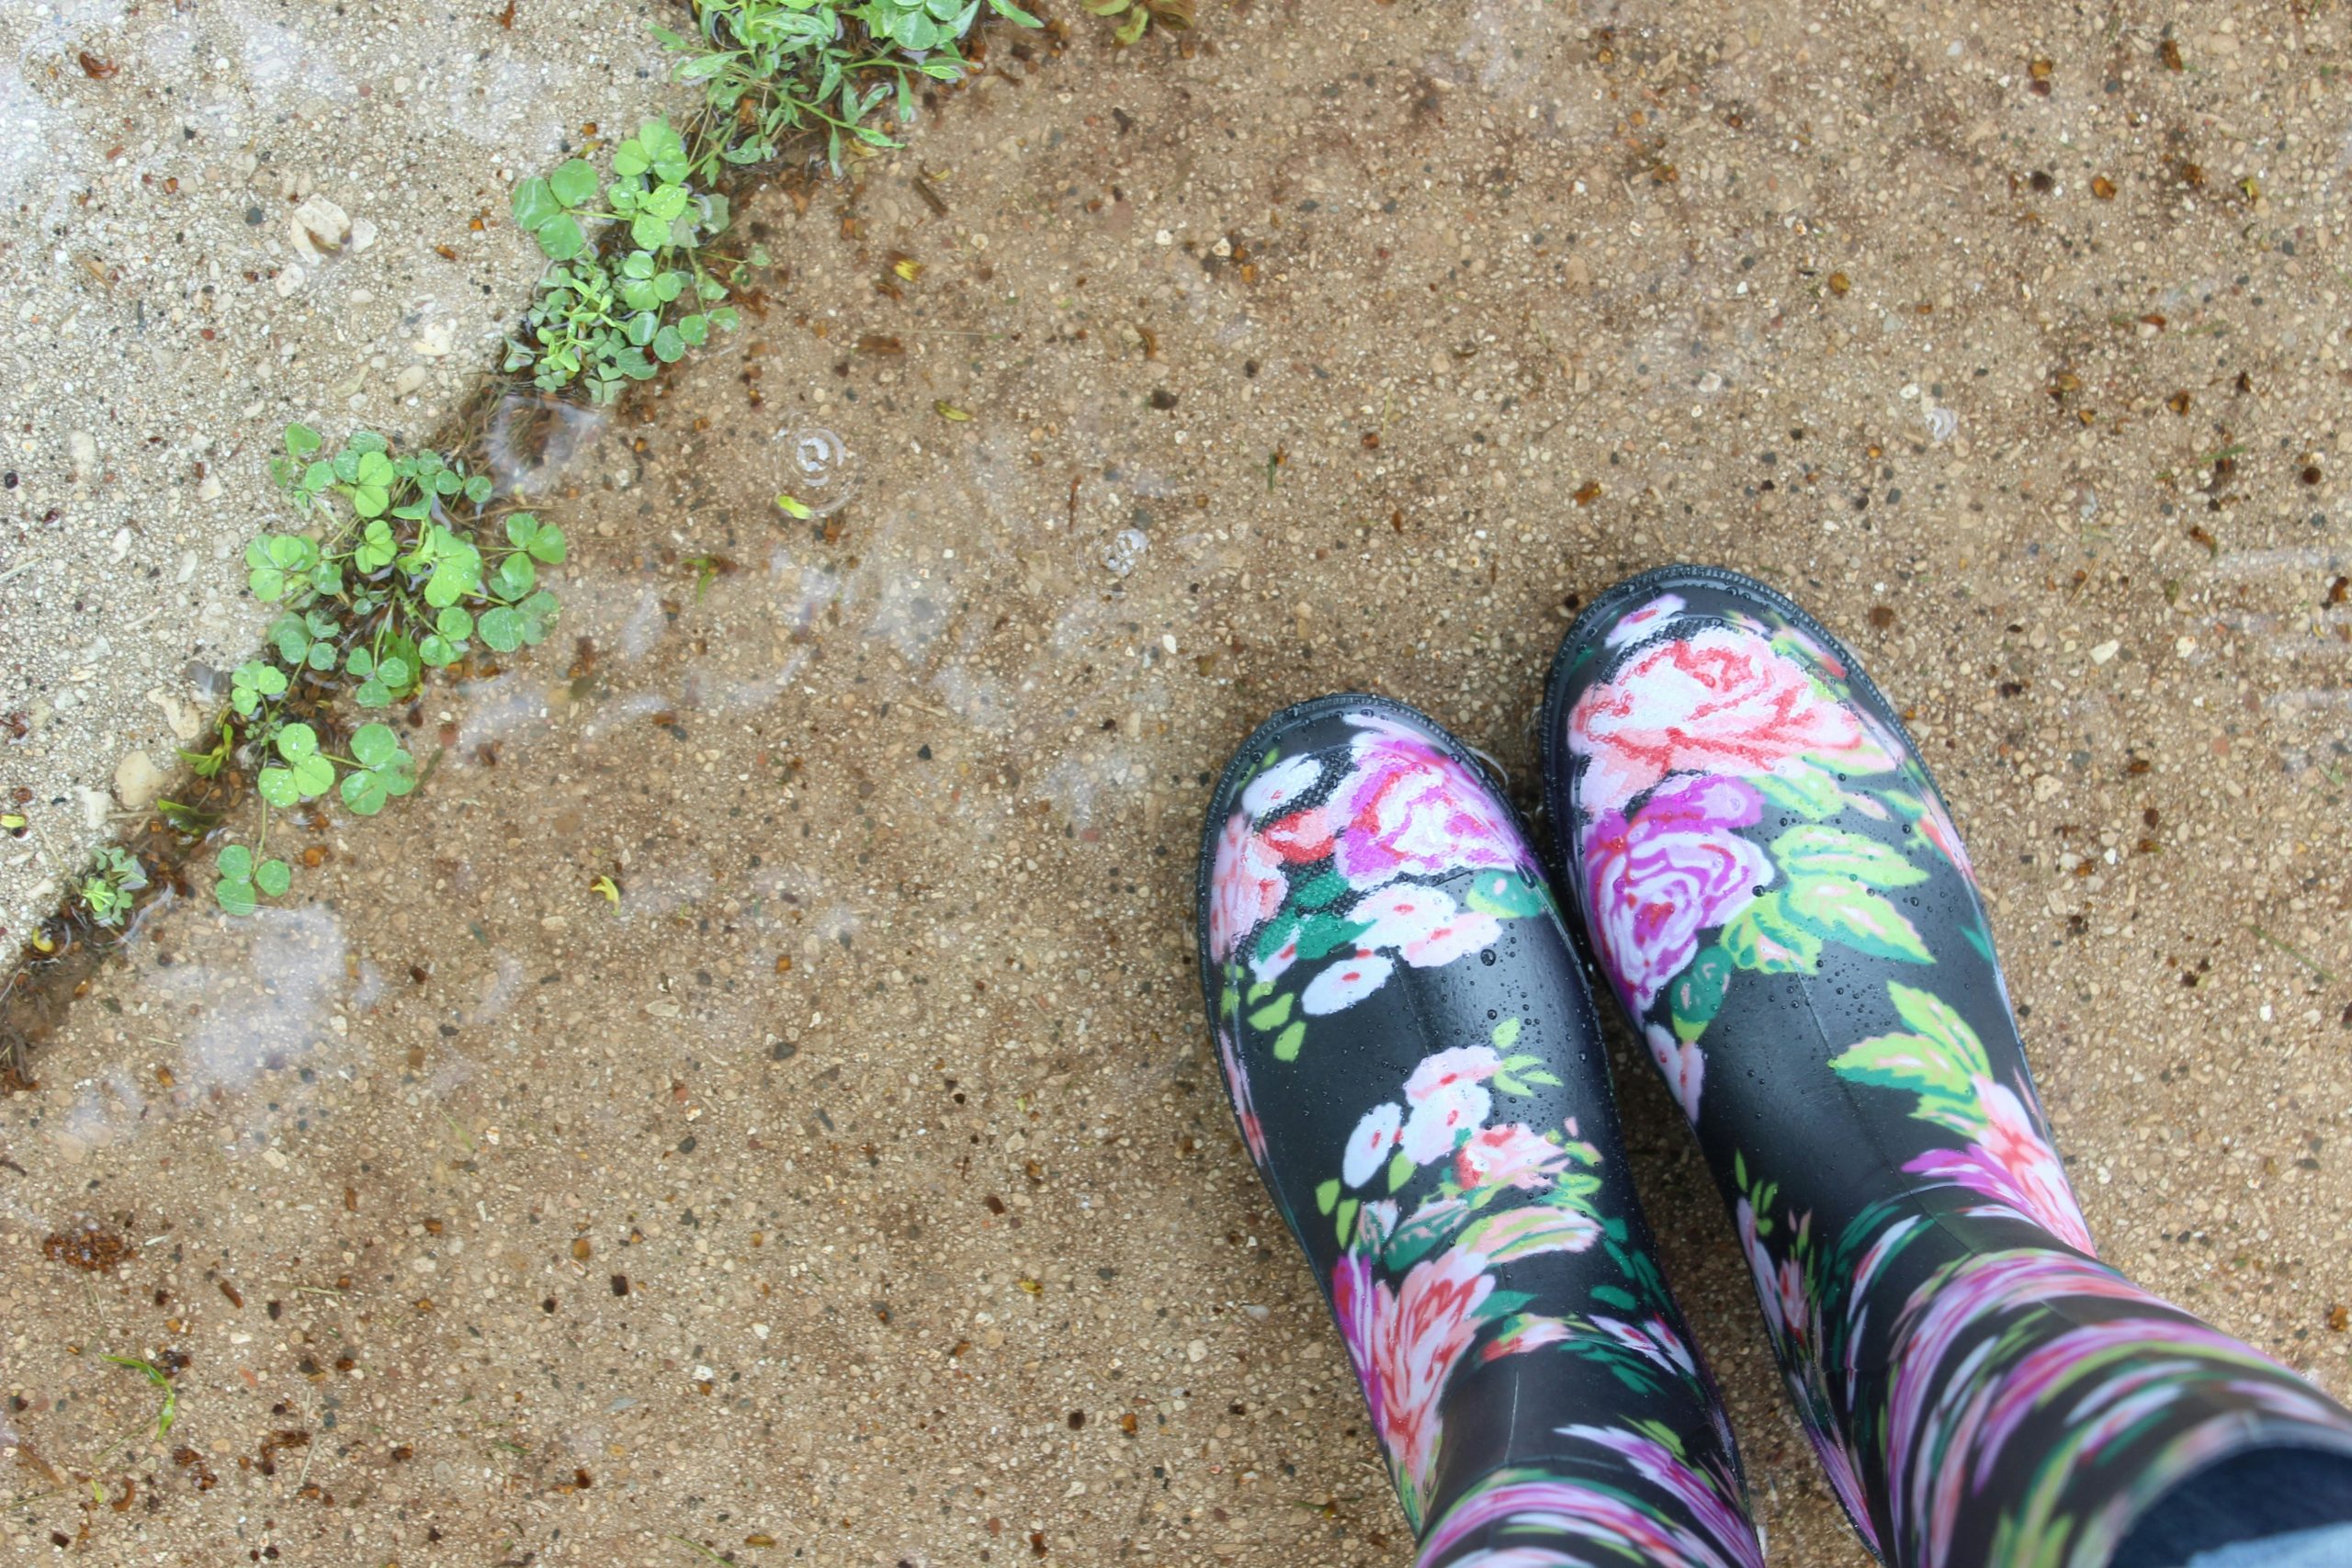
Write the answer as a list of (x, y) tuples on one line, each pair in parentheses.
[(1439, 1117), (1464, 1064), (1368, 1146), (1401, 913), (1279, 786), (1346, 983)]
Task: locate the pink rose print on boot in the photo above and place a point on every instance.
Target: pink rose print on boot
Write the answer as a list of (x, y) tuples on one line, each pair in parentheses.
[(1407, 808), (1679, 868), (1720, 701)]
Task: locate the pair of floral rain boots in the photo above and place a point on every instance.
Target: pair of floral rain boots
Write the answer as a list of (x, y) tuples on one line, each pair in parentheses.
[(1752, 852)]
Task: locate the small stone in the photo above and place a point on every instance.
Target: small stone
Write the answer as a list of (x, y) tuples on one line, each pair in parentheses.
[(288, 281), (2105, 652), (408, 380), (81, 447), (320, 228)]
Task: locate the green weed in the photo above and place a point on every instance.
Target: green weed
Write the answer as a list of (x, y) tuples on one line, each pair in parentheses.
[(774, 70), (609, 316), (407, 567), (107, 892)]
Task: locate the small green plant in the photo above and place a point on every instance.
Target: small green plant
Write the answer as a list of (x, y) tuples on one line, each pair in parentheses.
[(245, 881), (105, 892), (1173, 15), (774, 69), (157, 1378), (608, 318), (408, 565)]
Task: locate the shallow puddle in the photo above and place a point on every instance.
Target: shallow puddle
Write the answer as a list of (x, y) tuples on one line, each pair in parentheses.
[(855, 1187)]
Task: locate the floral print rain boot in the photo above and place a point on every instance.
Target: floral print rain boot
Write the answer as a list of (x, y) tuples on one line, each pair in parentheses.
[(1415, 1063), (1771, 884)]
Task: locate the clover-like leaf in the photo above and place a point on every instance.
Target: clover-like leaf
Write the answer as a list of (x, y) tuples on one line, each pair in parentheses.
[(313, 776), (364, 793), (502, 629), (235, 861), (455, 573), (277, 786), (297, 741), (572, 183), (301, 440), (535, 203), (234, 895), (515, 577), (562, 239), (649, 230), (373, 745), (273, 877), (455, 622)]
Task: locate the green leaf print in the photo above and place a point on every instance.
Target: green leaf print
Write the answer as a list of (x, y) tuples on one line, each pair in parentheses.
[(1817, 851), (1326, 1195), (1502, 1304), (1430, 1225), (1287, 1043), (1507, 895), (1902, 1061), (1529, 1229), (1934, 1016), (1939, 1064), (1274, 1015), (1697, 994), (1319, 892), (1506, 1034), (1768, 940), (1400, 1170), (1321, 936), (1806, 790), (1610, 1295), (1347, 1220), (1847, 912)]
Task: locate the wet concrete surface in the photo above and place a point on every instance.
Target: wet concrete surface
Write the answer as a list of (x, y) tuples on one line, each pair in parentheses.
[(856, 1187), (216, 217)]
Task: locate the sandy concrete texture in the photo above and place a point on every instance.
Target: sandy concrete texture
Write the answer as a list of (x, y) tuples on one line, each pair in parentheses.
[(216, 217)]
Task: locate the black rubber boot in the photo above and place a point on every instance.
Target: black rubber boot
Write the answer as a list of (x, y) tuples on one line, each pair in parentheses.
[(1772, 882), (1414, 1061)]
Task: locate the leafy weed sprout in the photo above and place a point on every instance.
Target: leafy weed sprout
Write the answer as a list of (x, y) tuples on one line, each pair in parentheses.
[(612, 315), (408, 566), (773, 70), (107, 892)]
